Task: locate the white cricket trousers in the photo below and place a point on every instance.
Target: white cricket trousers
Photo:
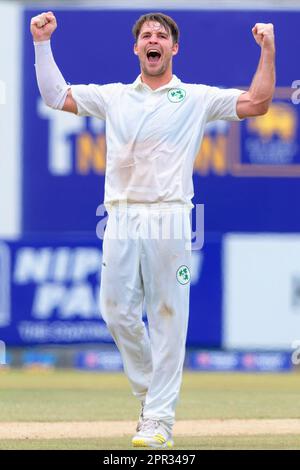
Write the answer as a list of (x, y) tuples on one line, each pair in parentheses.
[(144, 250)]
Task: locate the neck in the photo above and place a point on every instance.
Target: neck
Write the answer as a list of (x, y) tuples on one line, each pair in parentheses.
[(155, 82)]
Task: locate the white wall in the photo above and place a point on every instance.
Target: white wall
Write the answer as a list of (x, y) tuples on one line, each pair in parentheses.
[(10, 114), (261, 291)]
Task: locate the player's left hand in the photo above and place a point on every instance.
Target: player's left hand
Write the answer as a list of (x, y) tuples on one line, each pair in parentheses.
[(264, 34)]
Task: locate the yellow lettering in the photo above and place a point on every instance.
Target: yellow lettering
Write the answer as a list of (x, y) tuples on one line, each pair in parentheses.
[(212, 156), (90, 154)]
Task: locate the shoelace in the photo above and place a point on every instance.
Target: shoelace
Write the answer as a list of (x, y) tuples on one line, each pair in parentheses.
[(149, 424)]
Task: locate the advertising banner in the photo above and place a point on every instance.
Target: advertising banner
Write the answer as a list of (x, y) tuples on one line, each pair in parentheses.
[(246, 173), (50, 293)]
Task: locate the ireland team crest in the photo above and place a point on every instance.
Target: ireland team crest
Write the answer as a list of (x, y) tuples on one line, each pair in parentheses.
[(176, 95), (183, 275)]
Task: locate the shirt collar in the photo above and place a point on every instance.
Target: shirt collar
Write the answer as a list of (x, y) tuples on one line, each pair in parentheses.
[(173, 83)]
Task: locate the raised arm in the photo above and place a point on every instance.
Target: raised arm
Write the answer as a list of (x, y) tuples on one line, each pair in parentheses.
[(52, 85), (257, 99)]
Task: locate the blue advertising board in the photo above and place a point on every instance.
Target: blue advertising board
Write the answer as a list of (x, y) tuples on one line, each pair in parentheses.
[(250, 361), (246, 174), (51, 290)]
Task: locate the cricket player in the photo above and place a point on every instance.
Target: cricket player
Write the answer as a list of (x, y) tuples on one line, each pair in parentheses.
[(154, 127)]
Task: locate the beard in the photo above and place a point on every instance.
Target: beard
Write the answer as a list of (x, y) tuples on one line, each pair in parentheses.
[(154, 72)]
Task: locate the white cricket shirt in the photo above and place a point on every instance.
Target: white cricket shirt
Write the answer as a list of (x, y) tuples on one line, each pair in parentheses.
[(153, 136)]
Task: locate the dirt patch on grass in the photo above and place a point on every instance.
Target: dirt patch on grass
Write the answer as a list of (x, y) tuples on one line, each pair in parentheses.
[(100, 429)]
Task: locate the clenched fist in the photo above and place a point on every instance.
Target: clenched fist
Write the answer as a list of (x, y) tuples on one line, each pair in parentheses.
[(264, 35), (42, 26)]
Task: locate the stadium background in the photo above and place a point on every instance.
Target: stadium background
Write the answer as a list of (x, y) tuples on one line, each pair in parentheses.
[(245, 295)]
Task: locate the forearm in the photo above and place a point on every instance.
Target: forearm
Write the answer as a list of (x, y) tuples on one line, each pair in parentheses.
[(52, 85), (257, 99), (263, 84)]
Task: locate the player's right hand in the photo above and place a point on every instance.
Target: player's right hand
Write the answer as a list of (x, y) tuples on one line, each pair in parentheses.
[(42, 26)]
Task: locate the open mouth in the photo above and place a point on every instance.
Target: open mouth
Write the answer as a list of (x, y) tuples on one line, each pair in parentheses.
[(153, 56)]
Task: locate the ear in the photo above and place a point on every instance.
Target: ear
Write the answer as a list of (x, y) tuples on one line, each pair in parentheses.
[(175, 48), (135, 49)]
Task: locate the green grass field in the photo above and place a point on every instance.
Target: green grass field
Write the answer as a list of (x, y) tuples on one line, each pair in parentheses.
[(66, 396)]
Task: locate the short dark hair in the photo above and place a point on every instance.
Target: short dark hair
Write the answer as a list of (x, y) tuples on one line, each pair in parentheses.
[(166, 21)]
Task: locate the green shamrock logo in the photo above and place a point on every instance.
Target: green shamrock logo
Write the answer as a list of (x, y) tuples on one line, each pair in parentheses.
[(176, 95), (183, 275)]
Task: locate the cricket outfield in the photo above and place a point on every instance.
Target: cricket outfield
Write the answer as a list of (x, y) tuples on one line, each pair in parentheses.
[(87, 410)]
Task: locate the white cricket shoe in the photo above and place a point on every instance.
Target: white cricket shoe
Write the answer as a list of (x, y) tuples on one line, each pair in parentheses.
[(153, 433)]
